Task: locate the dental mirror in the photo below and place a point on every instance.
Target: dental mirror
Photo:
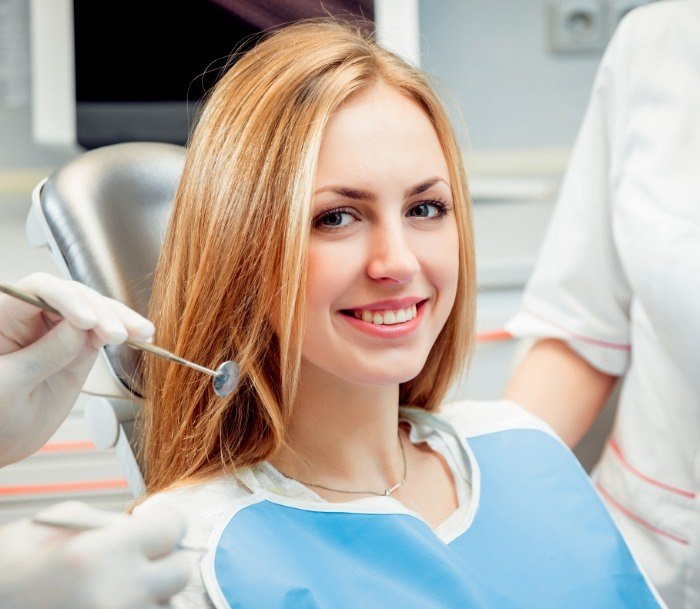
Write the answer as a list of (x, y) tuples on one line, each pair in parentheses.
[(225, 377)]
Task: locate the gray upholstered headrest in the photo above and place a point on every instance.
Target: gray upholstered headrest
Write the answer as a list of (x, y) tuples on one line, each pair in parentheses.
[(108, 211)]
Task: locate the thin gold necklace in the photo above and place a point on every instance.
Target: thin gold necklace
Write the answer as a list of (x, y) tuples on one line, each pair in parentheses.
[(385, 493)]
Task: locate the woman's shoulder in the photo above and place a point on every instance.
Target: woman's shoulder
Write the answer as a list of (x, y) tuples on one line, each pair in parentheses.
[(201, 504), (471, 418)]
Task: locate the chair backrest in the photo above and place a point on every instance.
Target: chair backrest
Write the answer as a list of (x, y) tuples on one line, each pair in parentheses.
[(103, 215), (106, 213)]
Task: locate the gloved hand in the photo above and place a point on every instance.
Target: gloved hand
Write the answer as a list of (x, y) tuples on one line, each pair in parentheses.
[(44, 360), (130, 562)]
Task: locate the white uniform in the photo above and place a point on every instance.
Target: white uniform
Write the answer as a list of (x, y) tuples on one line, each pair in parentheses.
[(618, 278)]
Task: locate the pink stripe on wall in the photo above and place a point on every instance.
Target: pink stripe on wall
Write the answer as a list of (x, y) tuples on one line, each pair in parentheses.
[(63, 488), (492, 336)]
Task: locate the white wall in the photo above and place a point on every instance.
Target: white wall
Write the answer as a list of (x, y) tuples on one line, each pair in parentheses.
[(512, 91)]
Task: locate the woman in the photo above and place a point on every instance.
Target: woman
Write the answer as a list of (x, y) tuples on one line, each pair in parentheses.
[(615, 292), (322, 234)]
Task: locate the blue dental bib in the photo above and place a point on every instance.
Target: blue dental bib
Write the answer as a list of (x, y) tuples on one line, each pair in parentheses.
[(538, 537)]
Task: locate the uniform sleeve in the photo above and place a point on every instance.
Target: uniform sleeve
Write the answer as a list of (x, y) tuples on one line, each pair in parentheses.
[(578, 291)]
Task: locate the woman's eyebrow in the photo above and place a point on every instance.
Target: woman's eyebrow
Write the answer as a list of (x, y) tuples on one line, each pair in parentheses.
[(423, 186), (365, 195), (349, 193)]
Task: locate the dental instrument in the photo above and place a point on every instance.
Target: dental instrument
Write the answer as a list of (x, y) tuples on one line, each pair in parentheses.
[(65, 516), (225, 377)]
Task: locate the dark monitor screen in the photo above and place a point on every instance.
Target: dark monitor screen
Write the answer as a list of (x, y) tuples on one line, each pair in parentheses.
[(142, 66)]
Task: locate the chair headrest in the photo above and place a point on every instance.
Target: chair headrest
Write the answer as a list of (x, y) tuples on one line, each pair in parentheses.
[(108, 211)]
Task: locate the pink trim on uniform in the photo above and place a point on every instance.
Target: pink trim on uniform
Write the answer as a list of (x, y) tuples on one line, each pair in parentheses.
[(638, 519), (581, 337), (614, 446)]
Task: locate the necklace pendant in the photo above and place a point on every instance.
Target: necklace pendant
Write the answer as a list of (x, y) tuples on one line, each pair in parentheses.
[(386, 492), (390, 490)]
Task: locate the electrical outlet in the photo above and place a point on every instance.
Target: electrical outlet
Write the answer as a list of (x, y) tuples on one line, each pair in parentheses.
[(617, 9), (577, 25)]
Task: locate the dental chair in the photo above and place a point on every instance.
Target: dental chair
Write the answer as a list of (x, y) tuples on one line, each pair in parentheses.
[(103, 216)]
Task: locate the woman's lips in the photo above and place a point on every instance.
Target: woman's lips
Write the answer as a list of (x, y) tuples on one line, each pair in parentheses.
[(385, 330)]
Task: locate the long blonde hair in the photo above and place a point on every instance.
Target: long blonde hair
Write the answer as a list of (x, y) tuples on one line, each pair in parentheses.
[(234, 257)]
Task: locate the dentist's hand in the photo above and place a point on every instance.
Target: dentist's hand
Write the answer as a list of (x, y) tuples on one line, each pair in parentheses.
[(44, 360), (130, 562)]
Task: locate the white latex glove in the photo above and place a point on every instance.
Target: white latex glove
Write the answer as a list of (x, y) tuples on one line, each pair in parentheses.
[(44, 360), (131, 562)]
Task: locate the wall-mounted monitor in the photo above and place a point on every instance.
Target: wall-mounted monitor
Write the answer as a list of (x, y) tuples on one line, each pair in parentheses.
[(135, 70)]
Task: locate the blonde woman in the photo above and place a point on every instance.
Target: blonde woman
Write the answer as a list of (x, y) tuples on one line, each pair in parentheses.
[(321, 235)]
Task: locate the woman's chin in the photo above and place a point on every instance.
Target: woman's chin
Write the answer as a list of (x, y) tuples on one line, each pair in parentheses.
[(368, 370), (384, 377)]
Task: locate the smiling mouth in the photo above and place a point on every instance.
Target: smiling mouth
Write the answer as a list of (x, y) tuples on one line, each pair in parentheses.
[(387, 317)]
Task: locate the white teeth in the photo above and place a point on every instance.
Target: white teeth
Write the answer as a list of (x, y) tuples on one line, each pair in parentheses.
[(388, 317)]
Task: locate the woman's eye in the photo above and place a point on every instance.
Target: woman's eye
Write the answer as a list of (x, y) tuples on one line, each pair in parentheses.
[(428, 209), (334, 219)]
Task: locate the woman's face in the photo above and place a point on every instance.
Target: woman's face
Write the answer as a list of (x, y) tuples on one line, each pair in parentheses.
[(383, 251)]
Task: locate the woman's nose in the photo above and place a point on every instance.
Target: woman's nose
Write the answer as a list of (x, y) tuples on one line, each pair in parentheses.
[(391, 257)]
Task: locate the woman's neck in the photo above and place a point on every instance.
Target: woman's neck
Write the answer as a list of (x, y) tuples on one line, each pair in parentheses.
[(343, 435)]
